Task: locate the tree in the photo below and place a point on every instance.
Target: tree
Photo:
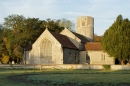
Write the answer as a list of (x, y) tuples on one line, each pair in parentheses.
[(67, 24), (3, 50), (13, 27), (97, 38), (116, 39), (18, 52), (1, 42), (5, 59), (53, 25), (31, 30)]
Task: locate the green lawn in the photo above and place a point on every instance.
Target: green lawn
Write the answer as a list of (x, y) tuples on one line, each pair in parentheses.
[(48, 77)]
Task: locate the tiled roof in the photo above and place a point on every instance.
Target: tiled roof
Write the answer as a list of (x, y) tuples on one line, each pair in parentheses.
[(64, 40), (93, 46), (81, 37)]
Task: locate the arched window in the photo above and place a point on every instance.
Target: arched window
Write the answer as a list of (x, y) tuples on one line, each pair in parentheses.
[(46, 49)]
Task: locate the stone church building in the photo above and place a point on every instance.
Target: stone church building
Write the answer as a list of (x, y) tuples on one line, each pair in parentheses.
[(68, 47)]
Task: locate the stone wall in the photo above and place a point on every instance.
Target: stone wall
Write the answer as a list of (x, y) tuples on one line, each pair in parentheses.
[(82, 57), (65, 66), (100, 57), (120, 67), (70, 56)]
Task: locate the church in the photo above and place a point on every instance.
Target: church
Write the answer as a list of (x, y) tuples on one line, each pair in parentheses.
[(68, 47)]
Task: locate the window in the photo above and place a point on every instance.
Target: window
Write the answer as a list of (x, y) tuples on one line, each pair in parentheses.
[(102, 57), (46, 49)]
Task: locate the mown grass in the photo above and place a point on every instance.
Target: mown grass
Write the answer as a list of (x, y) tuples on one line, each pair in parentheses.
[(56, 77)]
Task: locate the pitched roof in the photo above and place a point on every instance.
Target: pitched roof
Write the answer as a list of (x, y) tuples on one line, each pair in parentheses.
[(64, 40), (81, 37), (93, 46)]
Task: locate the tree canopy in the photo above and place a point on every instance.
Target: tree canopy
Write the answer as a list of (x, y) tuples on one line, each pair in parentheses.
[(116, 39)]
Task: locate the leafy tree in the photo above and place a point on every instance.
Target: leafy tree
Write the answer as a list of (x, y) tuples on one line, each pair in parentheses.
[(5, 59), (13, 27), (1, 43), (3, 50), (53, 25), (116, 39), (18, 52), (97, 38), (67, 24), (31, 30)]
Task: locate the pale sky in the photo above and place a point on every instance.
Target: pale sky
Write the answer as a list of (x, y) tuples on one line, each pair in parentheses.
[(104, 12)]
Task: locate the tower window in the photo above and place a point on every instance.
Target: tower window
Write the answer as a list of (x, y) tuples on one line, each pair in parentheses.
[(102, 57)]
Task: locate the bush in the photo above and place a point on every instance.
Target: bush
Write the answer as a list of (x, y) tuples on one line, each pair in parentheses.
[(5, 59), (107, 67)]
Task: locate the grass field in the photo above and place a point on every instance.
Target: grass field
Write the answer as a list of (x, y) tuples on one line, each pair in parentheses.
[(48, 77)]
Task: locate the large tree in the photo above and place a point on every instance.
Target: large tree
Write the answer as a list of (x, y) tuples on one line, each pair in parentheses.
[(18, 32), (13, 27), (116, 39)]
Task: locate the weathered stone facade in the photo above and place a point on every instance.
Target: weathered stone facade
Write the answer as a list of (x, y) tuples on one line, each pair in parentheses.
[(37, 57), (100, 57), (96, 54), (85, 26), (74, 39), (82, 57), (70, 56)]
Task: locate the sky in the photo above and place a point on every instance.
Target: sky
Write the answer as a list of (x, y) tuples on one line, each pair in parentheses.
[(104, 12)]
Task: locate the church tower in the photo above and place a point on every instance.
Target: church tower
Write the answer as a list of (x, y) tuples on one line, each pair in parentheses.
[(85, 27)]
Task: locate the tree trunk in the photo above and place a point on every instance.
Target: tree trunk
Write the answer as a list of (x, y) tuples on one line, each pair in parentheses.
[(17, 60)]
